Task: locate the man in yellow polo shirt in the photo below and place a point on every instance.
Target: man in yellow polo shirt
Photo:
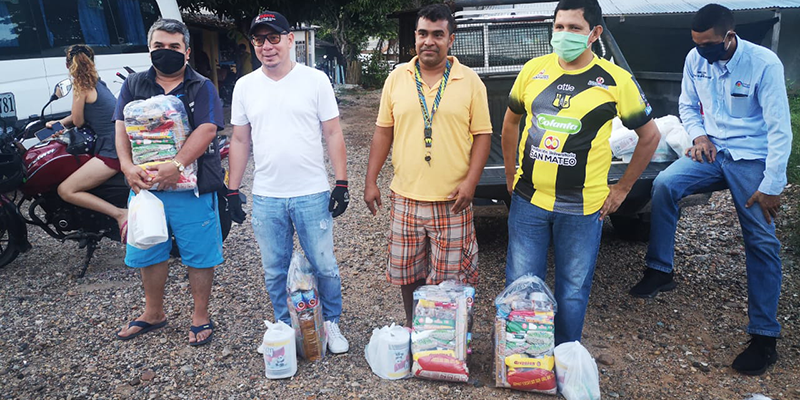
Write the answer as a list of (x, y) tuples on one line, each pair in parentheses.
[(559, 181), (435, 112)]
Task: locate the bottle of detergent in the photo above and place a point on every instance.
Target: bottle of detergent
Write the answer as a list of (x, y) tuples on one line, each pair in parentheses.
[(278, 348)]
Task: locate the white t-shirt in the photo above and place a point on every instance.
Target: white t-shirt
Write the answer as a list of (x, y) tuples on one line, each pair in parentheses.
[(286, 118)]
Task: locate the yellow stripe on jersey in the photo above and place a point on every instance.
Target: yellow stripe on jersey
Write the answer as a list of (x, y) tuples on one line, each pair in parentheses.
[(564, 154)]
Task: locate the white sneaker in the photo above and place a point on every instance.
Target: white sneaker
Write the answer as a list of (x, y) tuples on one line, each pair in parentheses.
[(337, 344)]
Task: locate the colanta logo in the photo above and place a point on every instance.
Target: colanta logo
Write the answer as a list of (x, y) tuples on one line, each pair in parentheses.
[(556, 123)]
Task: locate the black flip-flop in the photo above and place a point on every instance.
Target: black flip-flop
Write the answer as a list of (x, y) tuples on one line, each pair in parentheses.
[(146, 327), (198, 329)]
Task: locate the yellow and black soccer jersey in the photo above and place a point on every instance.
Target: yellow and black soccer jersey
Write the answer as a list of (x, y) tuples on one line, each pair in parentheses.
[(564, 153)]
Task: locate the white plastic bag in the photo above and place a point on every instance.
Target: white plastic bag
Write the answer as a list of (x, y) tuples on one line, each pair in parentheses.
[(147, 223), (674, 133), (279, 350), (623, 140), (388, 352), (576, 372)]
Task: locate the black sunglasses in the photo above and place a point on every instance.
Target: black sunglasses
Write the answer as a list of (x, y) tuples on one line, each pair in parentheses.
[(258, 40)]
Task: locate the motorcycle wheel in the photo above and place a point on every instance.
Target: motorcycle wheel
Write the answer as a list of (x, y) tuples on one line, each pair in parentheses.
[(8, 248)]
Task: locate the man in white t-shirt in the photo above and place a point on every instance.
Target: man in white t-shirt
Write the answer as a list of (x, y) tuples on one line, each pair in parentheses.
[(286, 109)]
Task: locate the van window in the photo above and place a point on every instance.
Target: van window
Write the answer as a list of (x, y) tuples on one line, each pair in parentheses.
[(109, 26), (133, 19), (17, 31)]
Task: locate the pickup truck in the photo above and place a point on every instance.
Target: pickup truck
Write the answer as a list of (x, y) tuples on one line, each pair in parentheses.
[(496, 40)]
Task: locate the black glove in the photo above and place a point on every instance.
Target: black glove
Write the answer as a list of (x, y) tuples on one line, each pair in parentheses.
[(340, 197), (235, 200)]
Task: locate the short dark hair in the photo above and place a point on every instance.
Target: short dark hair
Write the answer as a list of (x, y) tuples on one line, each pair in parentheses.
[(169, 26), (437, 12), (713, 16), (591, 10)]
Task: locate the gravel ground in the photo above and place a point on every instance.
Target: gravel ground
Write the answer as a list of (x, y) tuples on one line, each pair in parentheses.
[(57, 332)]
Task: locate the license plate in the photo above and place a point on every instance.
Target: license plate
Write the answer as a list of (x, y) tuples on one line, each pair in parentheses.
[(8, 108)]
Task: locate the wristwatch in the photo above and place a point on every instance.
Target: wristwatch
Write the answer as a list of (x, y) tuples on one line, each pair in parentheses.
[(178, 165)]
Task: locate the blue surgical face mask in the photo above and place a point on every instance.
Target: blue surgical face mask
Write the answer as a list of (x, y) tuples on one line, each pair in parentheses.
[(715, 52)]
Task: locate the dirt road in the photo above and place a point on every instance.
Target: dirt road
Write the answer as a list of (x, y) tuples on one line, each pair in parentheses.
[(57, 332)]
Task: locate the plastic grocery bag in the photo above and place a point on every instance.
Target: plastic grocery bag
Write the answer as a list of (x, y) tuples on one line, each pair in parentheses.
[(305, 309), (674, 133), (388, 352), (147, 223), (525, 336), (157, 129), (576, 372), (279, 350), (441, 331)]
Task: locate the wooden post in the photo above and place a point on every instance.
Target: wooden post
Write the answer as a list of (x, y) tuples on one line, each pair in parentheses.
[(776, 31)]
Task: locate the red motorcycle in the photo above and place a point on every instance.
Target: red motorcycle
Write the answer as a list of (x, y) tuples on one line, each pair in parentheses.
[(29, 179)]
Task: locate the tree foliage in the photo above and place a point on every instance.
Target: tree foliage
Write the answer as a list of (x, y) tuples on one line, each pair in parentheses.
[(348, 23)]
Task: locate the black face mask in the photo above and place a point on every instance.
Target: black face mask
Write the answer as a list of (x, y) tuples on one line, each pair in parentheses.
[(168, 61), (715, 52)]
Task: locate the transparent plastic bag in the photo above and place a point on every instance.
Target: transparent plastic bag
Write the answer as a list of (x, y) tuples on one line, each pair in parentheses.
[(305, 309), (157, 128), (147, 222), (577, 372), (525, 336), (441, 331)]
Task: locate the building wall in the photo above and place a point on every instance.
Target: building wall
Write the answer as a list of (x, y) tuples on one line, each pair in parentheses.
[(660, 43)]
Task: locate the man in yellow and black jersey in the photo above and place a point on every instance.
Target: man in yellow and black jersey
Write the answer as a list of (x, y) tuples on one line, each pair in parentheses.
[(559, 181)]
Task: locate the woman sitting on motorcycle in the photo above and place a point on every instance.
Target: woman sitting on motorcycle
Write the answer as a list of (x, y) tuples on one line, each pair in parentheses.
[(93, 105)]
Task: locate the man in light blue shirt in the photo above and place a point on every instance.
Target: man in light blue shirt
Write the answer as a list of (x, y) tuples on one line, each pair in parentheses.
[(734, 105)]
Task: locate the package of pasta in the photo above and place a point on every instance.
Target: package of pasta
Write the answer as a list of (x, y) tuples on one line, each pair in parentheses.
[(157, 128), (525, 336), (305, 309), (441, 331)]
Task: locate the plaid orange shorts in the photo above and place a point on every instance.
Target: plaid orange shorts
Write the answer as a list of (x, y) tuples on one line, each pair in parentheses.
[(428, 242)]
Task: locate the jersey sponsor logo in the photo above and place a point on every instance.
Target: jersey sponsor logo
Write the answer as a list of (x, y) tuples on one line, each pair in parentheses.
[(566, 87), (541, 75), (560, 124), (551, 142), (597, 83), (562, 100), (552, 157)]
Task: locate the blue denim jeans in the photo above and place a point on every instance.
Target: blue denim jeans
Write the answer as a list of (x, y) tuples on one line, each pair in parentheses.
[(576, 241), (274, 222), (762, 247)]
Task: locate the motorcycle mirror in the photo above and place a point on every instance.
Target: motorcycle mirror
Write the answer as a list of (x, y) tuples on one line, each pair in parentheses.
[(62, 88)]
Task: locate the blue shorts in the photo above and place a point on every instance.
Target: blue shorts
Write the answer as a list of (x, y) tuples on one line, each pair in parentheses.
[(194, 222)]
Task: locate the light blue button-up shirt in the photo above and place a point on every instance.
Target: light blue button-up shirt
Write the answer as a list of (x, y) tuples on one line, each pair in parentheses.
[(742, 106)]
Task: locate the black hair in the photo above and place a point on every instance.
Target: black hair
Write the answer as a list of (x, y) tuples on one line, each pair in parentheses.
[(76, 49), (437, 12), (591, 10), (713, 16)]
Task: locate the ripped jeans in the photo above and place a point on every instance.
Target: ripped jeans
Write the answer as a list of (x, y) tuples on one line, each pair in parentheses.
[(274, 222)]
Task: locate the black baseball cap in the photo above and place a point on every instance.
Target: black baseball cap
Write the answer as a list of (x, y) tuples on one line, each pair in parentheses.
[(271, 19)]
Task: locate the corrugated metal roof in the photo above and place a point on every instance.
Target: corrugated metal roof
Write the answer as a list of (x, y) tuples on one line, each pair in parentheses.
[(634, 7), (628, 7)]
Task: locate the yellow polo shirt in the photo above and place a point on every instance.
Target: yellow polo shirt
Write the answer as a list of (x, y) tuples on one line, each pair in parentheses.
[(463, 112)]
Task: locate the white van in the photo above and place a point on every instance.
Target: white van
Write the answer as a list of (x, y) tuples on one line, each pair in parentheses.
[(35, 33)]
